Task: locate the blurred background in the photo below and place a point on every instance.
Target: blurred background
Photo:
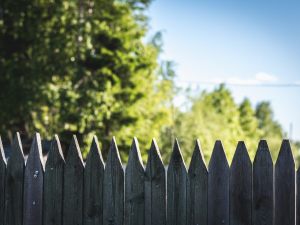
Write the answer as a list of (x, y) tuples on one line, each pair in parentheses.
[(161, 69)]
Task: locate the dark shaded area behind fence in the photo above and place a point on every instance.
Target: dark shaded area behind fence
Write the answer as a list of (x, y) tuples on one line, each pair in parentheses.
[(71, 192)]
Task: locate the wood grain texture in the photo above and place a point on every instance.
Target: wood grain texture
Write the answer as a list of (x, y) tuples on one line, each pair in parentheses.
[(2, 183), (218, 187), (263, 188), (134, 187), (285, 186), (33, 184), (93, 186), (14, 184), (155, 188), (177, 180), (241, 187), (197, 189), (73, 186), (113, 191), (53, 185)]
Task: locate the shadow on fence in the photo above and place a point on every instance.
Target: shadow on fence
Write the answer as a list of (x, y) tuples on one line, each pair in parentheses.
[(71, 192)]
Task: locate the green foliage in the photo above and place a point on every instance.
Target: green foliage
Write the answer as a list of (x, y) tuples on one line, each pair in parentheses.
[(81, 67), (214, 116)]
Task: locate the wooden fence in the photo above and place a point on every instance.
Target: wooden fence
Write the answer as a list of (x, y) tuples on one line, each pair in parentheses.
[(71, 192)]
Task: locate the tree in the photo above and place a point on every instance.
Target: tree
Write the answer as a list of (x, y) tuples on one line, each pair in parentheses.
[(81, 67), (248, 120), (214, 115), (211, 116), (270, 128)]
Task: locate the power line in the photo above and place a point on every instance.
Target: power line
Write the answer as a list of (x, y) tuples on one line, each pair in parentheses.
[(278, 85)]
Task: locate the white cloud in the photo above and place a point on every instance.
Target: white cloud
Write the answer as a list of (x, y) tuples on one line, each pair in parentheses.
[(265, 77), (259, 78)]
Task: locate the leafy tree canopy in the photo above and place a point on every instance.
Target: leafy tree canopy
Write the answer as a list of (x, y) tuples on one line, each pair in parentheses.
[(81, 67)]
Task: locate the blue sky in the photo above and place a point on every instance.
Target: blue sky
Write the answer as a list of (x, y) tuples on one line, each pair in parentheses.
[(242, 43)]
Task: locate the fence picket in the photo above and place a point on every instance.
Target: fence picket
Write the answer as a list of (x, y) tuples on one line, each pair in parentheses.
[(134, 187), (73, 186), (285, 186), (93, 186), (33, 184), (197, 188), (2, 182), (240, 187), (113, 192), (155, 188), (14, 184), (53, 185), (176, 189), (218, 187), (71, 193), (263, 188), (298, 197)]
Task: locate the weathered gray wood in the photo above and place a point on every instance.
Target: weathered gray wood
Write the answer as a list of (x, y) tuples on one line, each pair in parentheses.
[(155, 188), (263, 188), (285, 186), (2, 183), (14, 184), (240, 187), (53, 185), (93, 186), (197, 189), (134, 187), (73, 186), (33, 184), (113, 191), (176, 189), (218, 187)]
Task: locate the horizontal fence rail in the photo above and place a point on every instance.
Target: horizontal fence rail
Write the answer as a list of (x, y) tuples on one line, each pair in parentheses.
[(69, 191)]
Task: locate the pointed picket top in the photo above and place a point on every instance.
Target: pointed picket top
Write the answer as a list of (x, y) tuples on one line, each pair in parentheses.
[(285, 155), (198, 188), (2, 183), (218, 157), (240, 186), (53, 184), (95, 153), (197, 160), (74, 152), (263, 188), (93, 186), (73, 185), (176, 157), (241, 156), (263, 153), (154, 156), (134, 187), (176, 188), (113, 190), (135, 154), (33, 184), (114, 152), (285, 186), (15, 183), (36, 151), (17, 148), (218, 187), (55, 153), (2, 154), (155, 188)]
